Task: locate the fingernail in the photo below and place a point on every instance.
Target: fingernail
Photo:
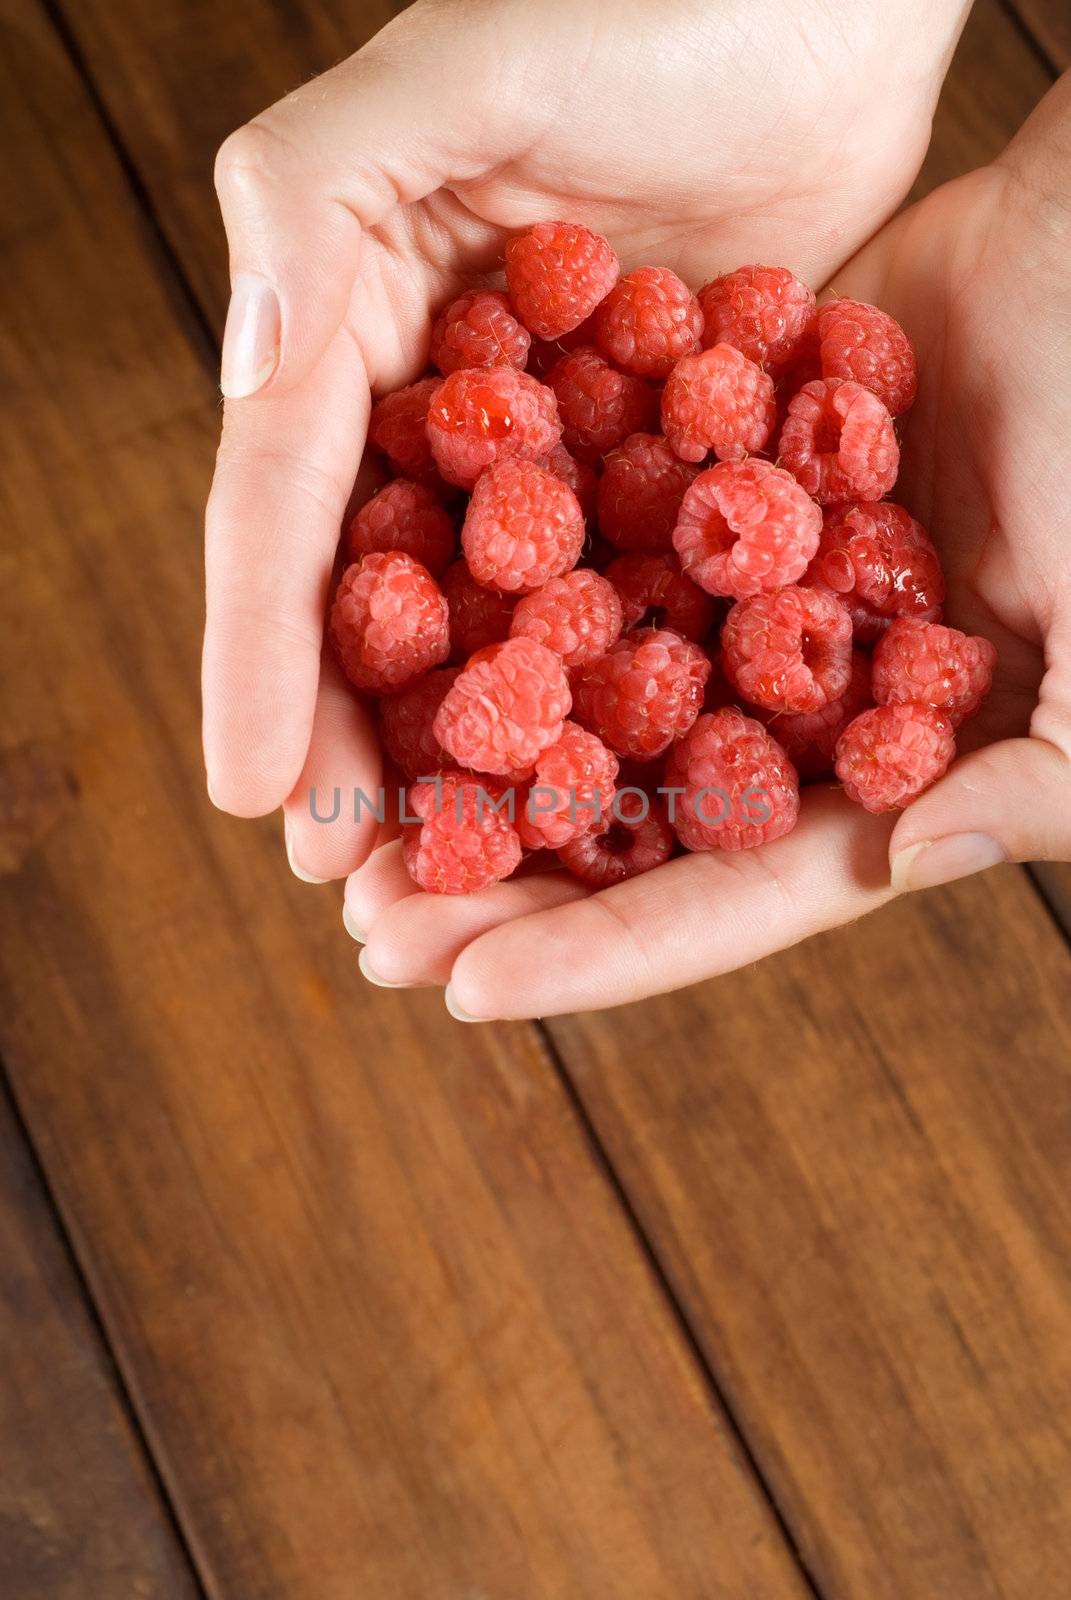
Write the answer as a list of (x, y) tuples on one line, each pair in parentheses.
[(299, 872), (934, 861), (251, 336), (352, 928), (458, 1012), (373, 976), (212, 793)]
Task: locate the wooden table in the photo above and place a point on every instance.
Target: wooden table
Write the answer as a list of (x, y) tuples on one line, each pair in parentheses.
[(307, 1291)]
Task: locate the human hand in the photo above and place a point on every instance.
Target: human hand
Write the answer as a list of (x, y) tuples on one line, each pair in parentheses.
[(695, 135), (977, 275)]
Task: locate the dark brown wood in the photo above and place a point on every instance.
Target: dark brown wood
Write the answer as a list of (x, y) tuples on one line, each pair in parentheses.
[(385, 1322), (81, 1516), (1049, 24)]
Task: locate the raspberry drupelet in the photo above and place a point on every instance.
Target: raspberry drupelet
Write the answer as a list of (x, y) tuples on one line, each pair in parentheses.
[(880, 564), (556, 274), (889, 754), (478, 416), (934, 666), (809, 738), (648, 321), (764, 312), (598, 406), (478, 329), (404, 516), (508, 704), (582, 479), (462, 842), (746, 526), (523, 526), (838, 442), (718, 400), (789, 651), (654, 592), (578, 616), (406, 719), (398, 427), (859, 342), (738, 789), (634, 838), (570, 792), (640, 493), (478, 616), (389, 622), (642, 694)]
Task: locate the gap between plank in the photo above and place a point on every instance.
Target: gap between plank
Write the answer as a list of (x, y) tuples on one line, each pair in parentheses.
[(1029, 38)]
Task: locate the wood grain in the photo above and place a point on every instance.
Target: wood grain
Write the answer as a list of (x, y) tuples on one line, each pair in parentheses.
[(383, 1317), (1049, 23)]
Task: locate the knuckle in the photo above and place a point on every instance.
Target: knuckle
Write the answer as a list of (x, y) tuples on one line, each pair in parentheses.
[(250, 158)]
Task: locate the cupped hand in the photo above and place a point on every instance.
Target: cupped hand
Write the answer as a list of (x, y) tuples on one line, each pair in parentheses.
[(977, 274)]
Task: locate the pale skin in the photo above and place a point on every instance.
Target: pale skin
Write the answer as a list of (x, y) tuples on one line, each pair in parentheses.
[(368, 196)]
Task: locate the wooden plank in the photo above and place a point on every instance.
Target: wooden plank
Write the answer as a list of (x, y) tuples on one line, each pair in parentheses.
[(81, 1516), (1049, 23), (386, 1324)]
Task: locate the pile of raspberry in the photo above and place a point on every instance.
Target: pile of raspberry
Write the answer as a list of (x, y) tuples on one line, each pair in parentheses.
[(635, 576)]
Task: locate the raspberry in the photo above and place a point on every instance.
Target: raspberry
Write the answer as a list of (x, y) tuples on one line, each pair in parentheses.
[(403, 516), (523, 525), (478, 330), (888, 755), (573, 786), (762, 311), (483, 415), (648, 321), (933, 666), (720, 401), (864, 344), (546, 353), (838, 442), (405, 722), (556, 274), (398, 427), (478, 616), (655, 593), (462, 842), (642, 694), (506, 706), (640, 493), (739, 789), (809, 738), (879, 562), (581, 478), (598, 405), (634, 838), (789, 651), (746, 526), (578, 616), (389, 622)]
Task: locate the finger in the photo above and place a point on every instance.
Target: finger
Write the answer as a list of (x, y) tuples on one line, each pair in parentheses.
[(333, 814), (693, 918), (376, 885)]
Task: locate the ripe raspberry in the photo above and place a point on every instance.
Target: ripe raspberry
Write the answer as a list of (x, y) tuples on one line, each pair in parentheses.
[(403, 516), (598, 405), (398, 427), (506, 706), (746, 526), (571, 790), (478, 616), (870, 347), (478, 329), (838, 441), (578, 616), (483, 415), (388, 623), (739, 787), (720, 401), (655, 593), (889, 754), (642, 694), (933, 666), (546, 353), (879, 562), (762, 311), (640, 493), (809, 738), (405, 722), (463, 843), (635, 837), (581, 478), (556, 274), (523, 525), (789, 651), (648, 321)]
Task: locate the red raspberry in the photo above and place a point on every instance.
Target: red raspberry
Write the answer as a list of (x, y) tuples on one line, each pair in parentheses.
[(789, 651), (655, 593), (879, 562), (642, 694), (889, 754), (746, 526), (506, 706), (648, 321), (571, 790), (578, 616), (557, 273), (838, 441), (640, 493), (933, 666), (634, 838), (478, 329), (739, 789), (763, 311), (398, 427), (720, 401), (489, 414), (546, 353), (478, 616), (405, 722), (389, 622), (581, 478), (598, 405), (870, 347), (463, 842), (523, 525), (403, 516), (809, 738)]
